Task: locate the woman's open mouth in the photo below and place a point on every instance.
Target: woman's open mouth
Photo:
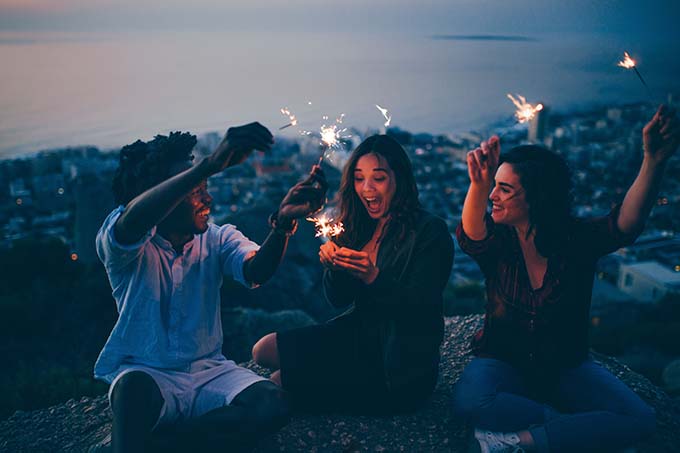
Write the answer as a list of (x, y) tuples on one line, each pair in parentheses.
[(372, 204)]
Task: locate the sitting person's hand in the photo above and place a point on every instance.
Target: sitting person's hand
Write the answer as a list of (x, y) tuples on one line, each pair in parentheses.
[(661, 136), (483, 162), (356, 263), (305, 197), (327, 255)]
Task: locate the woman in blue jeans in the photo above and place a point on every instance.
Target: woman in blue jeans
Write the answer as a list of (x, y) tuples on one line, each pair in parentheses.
[(532, 385)]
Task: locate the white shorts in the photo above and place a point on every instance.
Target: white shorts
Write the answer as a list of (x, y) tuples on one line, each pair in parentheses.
[(210, 384)]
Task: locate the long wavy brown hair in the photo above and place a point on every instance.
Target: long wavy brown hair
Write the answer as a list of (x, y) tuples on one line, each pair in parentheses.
[(546, 179), (359, 226)]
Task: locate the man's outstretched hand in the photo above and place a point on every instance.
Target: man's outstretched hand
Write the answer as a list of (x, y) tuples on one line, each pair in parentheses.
[(305, 197), (238, 144)]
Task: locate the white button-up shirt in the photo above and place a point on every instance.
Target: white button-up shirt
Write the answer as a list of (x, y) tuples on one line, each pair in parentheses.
[(168, 303)]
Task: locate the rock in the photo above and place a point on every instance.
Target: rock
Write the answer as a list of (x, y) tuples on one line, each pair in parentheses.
[(79, 424), (671, 377)]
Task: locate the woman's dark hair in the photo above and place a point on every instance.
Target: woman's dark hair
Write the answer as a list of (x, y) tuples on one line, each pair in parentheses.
[(546, 179), (359, 226), (146, 164)]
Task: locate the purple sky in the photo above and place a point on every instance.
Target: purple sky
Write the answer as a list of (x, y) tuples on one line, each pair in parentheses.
[(622, 17)]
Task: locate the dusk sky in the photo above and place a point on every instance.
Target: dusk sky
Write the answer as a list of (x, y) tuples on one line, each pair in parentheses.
[(439, 16), (105, 72)]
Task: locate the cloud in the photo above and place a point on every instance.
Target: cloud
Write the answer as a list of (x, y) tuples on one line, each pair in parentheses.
[(482, 38)]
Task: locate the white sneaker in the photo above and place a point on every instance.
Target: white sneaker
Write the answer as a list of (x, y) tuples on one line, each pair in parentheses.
[(492, 442)]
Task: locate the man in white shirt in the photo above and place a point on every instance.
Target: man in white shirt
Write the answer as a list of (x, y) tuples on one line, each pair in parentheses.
[(166, 263)]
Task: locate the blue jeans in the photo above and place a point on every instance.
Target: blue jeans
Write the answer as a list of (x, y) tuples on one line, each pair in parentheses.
[(585, 408)]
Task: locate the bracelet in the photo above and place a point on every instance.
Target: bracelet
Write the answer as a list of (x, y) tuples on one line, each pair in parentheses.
[(287, 230)]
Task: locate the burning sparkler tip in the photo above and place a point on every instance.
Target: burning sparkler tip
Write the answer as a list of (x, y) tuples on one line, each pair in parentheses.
[(291, 117), (325, 226), (627, 61), (525, 111), (385, 113)]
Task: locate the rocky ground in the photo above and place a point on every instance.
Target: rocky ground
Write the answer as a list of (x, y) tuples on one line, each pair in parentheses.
[(78, 424)]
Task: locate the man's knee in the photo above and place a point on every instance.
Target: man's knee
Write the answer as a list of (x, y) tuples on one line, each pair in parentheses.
[(265, 352), (133, 390), (272, 410)]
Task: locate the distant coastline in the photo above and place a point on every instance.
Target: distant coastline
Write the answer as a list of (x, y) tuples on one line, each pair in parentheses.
[(500, 123), (484, 38)]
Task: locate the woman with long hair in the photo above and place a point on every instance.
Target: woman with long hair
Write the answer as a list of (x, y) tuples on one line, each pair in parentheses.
[(389, 267), (532, 385)]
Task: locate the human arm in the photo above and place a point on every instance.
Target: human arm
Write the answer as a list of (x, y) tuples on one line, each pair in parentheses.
[(482, 164), (303, 199), (340, 287), (661, 137), (152, 206)]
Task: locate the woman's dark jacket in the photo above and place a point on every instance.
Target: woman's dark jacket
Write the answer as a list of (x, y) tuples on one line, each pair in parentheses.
[(404, 303)]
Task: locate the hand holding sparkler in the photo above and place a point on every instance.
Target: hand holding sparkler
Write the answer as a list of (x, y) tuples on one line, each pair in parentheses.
[(661, 136), (327, 255), (305, 197), (238, 144), (483, 162), (357, 263)]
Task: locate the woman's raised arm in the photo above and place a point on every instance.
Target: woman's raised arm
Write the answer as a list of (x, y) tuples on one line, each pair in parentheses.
[(660, 137), (482, 165)]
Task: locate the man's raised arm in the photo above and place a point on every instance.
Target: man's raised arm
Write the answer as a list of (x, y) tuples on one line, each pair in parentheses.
[(152, 206), (302, 200)]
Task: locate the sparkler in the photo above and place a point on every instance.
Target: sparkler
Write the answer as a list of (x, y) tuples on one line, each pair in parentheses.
[(525, 111), (325, 227), (291, 117), (387, 116), (330, 135), (629, 63)]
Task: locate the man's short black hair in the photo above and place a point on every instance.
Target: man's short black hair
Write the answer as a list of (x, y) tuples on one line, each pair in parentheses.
[(146, 164)]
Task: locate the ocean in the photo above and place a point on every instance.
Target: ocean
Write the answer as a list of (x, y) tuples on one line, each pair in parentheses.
[(109, 89)]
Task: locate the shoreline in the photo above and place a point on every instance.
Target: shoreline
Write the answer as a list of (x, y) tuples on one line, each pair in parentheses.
[(503, 122)]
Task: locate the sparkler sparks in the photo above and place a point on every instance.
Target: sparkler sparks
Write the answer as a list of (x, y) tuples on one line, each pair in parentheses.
[(325, 226), (291, 117), (331, 136), (387, 116), (525, 111), (629, 63)]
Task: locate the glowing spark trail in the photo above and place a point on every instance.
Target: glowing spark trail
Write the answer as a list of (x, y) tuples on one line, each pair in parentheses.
[(330, 135), (525, 111), (629, 63), (325, 226), (291, 117), (387, 116)]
